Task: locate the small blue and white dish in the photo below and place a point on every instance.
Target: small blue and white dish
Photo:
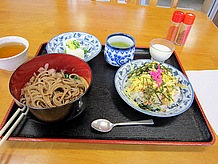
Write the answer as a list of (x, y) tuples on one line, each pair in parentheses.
[(90, 42), (119, 49), (183, 103)]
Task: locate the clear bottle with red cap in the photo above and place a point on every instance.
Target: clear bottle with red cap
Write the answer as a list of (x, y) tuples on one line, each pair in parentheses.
[(185, 29), (175, 23)]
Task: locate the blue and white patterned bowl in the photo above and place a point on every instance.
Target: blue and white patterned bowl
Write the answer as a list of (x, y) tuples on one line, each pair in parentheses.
[(183, 103), (118, 56), (90, 42)]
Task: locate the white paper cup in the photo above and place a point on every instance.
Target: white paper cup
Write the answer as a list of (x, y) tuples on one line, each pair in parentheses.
[(161, 49)]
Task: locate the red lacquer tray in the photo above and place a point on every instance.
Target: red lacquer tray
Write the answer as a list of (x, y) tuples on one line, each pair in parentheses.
[(189, 128)]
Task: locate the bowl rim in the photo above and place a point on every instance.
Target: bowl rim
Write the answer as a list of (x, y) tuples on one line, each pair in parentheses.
[(127, 101), (163, 39), (19, 54), (48, 48)]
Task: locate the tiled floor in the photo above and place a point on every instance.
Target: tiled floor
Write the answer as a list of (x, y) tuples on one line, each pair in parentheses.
[(191, 4), (216, 20)]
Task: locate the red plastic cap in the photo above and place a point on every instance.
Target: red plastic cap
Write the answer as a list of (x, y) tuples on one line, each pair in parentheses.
[(178, 16), (189, 18)]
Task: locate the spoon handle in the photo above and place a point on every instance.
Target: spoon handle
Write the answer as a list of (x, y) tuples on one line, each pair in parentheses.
[(142, 122)]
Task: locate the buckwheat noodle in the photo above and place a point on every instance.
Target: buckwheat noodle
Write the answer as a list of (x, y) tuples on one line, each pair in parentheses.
[(50, 88)]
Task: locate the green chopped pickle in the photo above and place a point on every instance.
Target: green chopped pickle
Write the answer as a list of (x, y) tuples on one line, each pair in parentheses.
[(85, 50), (73, 44), (66, 76), (75, 77)]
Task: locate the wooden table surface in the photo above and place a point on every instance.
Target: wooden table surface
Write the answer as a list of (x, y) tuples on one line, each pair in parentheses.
[(40, 20)]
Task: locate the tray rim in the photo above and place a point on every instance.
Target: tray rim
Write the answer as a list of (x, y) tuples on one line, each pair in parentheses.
[(107, 141)]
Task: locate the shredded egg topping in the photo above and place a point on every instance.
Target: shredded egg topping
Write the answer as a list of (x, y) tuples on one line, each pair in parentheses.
[(152, 87)]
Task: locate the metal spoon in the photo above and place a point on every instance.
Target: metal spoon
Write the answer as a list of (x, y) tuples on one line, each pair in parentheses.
[(104, 125)]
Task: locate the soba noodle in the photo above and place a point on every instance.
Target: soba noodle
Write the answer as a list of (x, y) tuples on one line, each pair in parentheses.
[(50, 88)]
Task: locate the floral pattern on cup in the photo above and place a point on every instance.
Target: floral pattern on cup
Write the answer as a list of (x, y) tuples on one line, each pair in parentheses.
[(118, 57)]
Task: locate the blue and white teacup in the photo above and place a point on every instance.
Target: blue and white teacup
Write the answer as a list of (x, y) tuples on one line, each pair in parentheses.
[(119, 49)]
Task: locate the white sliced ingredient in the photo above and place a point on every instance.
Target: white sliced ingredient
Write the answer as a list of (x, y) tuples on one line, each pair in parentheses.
[(77, 52)]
